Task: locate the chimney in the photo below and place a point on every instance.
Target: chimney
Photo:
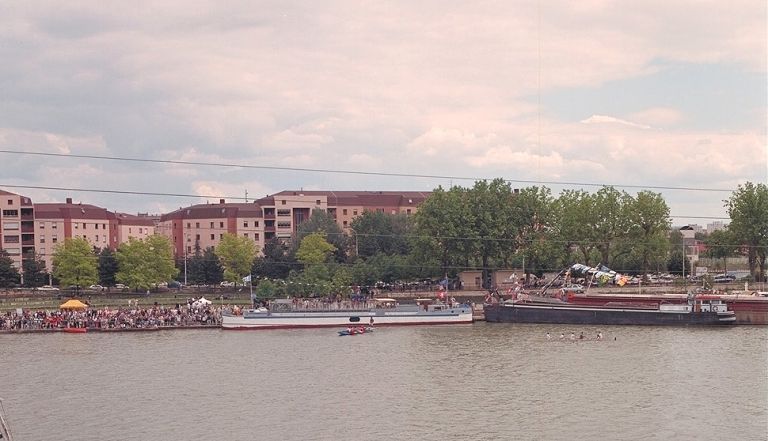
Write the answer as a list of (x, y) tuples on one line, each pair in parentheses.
[(221, 201), (69, 200)]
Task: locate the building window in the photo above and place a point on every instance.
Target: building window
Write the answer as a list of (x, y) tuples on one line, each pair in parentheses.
[(42, 251), (256, 224), (130, 230), (141, 230), (189, 250), (197, 224), (408, 211), (221, 224), (213, 236), (245, 234), (245, 224), (354, 212), (282, 202), (83, 225), (256, 236), (344, 212), (14, 213), (97, 236), (211, 224), (197, 237), (10, 201), (221, 235), (284, 212), (11, 239), (345, 224), (103, 226), (77, 226), (189, 239), (96, 226), (54, 239), (42, 225), (10, 225), (317, 201), (283, 225), (42, 240), (189, 225), (54, 225)]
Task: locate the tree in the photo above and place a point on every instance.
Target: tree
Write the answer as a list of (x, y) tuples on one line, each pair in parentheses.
[(533, 217), (107, 267), (572, 213), (648, 216), (314, 249), (442, 231), (9, 274), (322, 222), (204, 267), (748, 209), (33, 267), (276, 263), (236, 255), (266, 289), (74, 263), (721, 245), (375, 233), (145, 263)]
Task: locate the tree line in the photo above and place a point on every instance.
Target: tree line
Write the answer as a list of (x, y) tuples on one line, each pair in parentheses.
[(484, 227)]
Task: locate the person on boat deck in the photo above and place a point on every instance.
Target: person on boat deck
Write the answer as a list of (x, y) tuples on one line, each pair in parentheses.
[(562, 336), (599, 335), (581, 337), (371, 321), (573, 336), (549, 337)]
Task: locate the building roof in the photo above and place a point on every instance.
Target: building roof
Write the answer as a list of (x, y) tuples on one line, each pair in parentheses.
[(357, 198), (71, 211), (215, 211), (132, 219)]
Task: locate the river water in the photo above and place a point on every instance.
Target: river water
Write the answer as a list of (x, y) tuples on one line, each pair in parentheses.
[(481, 382)]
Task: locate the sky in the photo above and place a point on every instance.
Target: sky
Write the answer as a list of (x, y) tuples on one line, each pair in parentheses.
[(646, 95)]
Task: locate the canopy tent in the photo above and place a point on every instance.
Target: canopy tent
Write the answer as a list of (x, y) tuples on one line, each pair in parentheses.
[(201, 302), (73, 304)]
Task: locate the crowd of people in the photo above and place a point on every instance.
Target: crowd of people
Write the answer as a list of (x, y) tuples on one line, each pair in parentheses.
[(191, 314)]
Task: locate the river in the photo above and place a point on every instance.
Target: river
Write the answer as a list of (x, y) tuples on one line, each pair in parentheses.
[(482, 382)]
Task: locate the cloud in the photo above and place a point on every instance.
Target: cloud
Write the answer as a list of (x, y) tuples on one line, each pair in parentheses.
[(658, 116), (603, 119)]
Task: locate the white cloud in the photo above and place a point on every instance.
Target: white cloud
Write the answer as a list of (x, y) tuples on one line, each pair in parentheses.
[(603, 119)]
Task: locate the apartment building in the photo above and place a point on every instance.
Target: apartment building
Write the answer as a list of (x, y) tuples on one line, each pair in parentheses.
[(285, 210), (17, 230), (203, 225), (278, 215), (131, 226), (55, 222)]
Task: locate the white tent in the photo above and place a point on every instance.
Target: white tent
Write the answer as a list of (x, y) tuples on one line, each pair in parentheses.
[(203, 301)]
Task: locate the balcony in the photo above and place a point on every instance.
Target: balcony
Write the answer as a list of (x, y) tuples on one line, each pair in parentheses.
[(28, 242), (27, 227)]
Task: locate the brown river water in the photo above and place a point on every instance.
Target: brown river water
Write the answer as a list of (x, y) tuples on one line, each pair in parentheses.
[(468, 382)]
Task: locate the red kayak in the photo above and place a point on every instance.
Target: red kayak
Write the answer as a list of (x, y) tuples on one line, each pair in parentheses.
[(76, 330)]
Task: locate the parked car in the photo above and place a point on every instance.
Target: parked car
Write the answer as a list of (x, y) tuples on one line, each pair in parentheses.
[(227, 284), (724, 278), (174, 284), (121, 286), (47, 288), (96, 287)]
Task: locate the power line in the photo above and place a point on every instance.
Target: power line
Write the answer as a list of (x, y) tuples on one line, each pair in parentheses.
[(197, 196), (354, 172)]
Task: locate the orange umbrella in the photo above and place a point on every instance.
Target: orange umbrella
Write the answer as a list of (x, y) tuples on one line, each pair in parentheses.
[(73, 304)]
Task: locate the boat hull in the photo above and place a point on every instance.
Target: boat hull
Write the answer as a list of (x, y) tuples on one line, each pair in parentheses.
[(577, 315), (286, 320), (750, 310)]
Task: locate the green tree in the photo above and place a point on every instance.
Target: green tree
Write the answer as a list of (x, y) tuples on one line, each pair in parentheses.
[(443, 233), (721, 245), (276, 263), (145, 263), (320, 221), (266, 289), (649, 223), (33, 267), (74, 263), (748, 210), (533, 218), (314, 249), (9, 274), (375, 233), (572, 223), (107, 267), (236, 255), (493, 223), (204, 267)]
